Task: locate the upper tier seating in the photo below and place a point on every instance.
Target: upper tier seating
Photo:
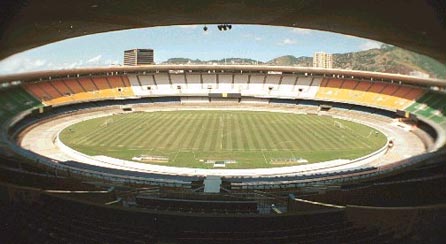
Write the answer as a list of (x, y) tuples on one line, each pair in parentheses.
[(225, 83), (286, 87), (240, 82), (104, 88), (178, 81), (307, 87), (194, 84), (163, 85), (272, 82), (138, 89), (209, 81), (121, 84), (383, 95), (59, 92), (256, 85), (390, 96)]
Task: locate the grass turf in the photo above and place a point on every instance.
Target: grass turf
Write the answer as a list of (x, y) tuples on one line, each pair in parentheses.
[(253, 139)]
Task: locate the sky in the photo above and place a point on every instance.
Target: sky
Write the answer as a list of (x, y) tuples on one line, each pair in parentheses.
[(261, 43)]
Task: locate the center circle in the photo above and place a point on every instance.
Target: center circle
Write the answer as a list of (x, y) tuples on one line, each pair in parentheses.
[(222, 139)]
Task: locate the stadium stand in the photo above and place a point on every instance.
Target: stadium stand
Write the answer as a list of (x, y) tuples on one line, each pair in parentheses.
[(272, 82), (225, 83), (431, 106), (240, 82), (307, 87), (122, 85), (163, 84), (178, 81), (15, 100), (147, 83), (60, 92), (104, 89), (286, 87), (331, 206), (388, 96), (194, 84), (255, 85), (29, 215), (398, 205), (209, 81), (138, 89)]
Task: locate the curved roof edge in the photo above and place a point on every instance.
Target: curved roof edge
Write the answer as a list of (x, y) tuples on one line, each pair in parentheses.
[(417, 25), (43, 75)]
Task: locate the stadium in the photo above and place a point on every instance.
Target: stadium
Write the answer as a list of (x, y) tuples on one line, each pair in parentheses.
[(221, 153)]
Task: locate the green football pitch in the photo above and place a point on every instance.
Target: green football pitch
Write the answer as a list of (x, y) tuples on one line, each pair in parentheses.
[(252, 139)]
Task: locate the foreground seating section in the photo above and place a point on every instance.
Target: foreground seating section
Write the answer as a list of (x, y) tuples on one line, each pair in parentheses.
[(192, 205), (14, 100), (431, 106), (30, 216), (405, 189), (56, 219)]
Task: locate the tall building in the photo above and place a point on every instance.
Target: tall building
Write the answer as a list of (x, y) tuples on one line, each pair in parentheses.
[(135, 57), (323, 60)]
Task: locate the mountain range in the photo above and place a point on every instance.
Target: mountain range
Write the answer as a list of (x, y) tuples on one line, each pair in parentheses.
[(387, 58)]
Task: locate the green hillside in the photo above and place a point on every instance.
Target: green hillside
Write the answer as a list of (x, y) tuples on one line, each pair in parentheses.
[(391, 60), (387, 59)]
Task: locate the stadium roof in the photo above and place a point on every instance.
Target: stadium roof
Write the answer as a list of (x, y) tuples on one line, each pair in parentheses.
[(418, 25)]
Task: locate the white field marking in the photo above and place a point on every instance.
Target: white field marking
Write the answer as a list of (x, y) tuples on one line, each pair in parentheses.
[(222, 125), (189, 150), (283, 142), (342, 126), (175, 158), (266, 161)]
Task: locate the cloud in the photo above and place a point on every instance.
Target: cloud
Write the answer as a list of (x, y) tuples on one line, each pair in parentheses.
[(17, 64), (287, 41), (20, 64), (252, 37), (95, 59), (352, 37), (110, 62), (369, 44), (301, 31), (188, 26)]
